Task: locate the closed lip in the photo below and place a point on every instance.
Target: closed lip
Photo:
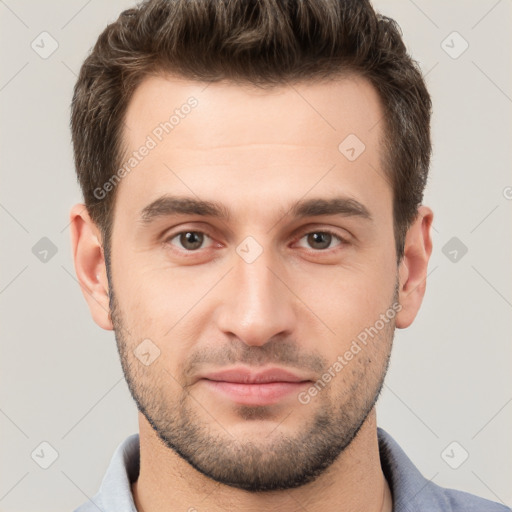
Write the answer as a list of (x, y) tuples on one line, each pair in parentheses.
[(242, 375)]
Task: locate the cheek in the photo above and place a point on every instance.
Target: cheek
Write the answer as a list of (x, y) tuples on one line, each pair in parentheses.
[(166, 307), (347, 299), (146, 291)]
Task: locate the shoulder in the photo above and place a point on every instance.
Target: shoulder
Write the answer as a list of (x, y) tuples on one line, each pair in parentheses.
[(412, 492), (115, 493), (451, 500), (87, 507)]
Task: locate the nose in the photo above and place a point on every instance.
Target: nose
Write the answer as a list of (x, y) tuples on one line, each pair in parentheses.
[(256, 303)]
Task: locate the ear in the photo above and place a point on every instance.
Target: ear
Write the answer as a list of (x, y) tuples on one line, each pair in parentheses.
[(90, 264), (413, 267)]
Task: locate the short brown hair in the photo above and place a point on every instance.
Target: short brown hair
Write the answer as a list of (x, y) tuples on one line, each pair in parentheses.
[(263, 42)]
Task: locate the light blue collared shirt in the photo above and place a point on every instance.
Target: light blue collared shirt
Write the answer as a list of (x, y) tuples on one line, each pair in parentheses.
[(412, 492)]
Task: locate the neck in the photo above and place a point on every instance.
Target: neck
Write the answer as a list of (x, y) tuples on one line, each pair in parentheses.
[(355, 480)]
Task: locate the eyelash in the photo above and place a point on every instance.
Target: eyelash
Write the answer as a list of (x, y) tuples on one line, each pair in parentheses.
[(342, 241)]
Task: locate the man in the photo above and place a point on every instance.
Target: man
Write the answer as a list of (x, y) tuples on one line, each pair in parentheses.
[(253, 173)]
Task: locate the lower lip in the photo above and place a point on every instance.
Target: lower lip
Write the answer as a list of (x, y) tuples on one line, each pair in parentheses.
[(256, 394)]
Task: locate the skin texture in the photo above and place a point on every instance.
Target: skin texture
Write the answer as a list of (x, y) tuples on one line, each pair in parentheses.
[(296, 306)]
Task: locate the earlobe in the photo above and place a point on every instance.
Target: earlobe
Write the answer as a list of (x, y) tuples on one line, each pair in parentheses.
[(413, 267), (90, 266)]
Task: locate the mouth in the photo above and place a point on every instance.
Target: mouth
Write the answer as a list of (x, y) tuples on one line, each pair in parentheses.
[(245, 387)]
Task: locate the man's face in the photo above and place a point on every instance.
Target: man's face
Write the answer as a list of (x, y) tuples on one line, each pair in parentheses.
[(268, 286)]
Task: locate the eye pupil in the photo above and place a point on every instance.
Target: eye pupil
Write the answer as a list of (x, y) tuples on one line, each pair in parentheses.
[(191, 240), (324, 239)]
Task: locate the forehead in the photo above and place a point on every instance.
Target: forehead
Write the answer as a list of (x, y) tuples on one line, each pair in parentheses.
[(225, 139), (297, 113)]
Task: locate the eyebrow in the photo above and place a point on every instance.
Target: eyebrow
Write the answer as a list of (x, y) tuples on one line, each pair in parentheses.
[(167, 206), (344, 206)]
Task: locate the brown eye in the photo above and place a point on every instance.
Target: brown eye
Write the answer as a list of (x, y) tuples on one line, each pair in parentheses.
[(189, 240), (321, 240)]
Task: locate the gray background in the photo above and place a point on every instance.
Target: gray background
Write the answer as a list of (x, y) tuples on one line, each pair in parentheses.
[(450, 377)]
